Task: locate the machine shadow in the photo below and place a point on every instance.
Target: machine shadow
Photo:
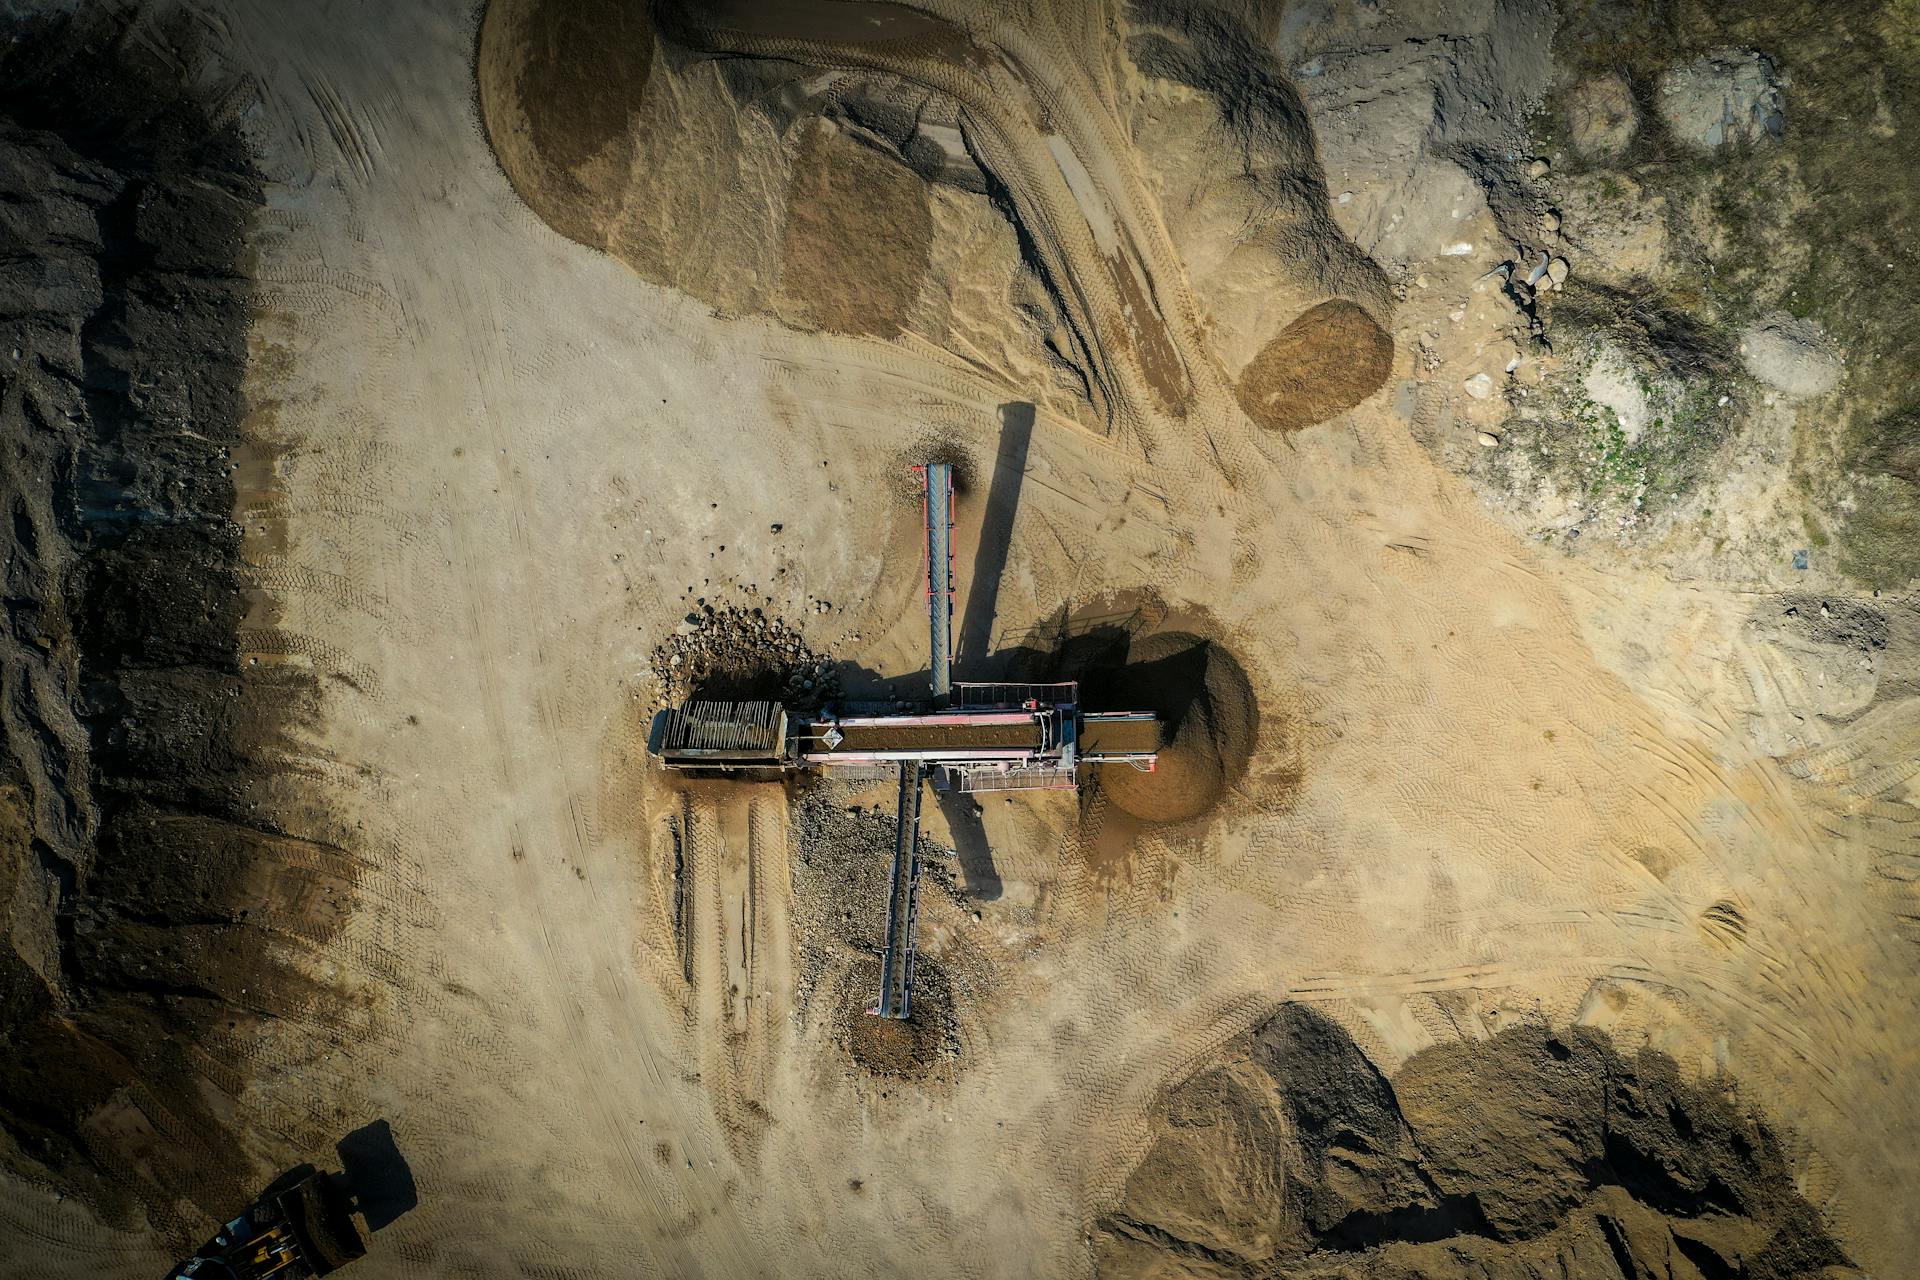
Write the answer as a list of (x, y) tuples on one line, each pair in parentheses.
[(301, 1223), (383, 1186)]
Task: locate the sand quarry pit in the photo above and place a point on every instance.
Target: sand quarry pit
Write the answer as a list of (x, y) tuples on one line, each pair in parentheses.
[(406, 408)]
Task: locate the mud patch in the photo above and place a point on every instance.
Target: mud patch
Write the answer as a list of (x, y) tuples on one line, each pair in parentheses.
[(1324, 363), (857, 238), (1525, 1154), (169, 873)]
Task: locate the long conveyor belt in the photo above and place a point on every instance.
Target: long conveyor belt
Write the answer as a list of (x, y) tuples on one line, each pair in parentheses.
[(903, 899), (923, 733)]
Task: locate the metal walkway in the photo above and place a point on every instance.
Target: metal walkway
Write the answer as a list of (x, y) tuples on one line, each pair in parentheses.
[(903, 903)]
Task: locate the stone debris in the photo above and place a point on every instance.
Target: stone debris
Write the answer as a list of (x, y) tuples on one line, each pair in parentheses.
[(1729, 97), (735, 653)]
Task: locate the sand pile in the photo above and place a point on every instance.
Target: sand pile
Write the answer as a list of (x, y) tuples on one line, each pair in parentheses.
[(1535, 1152), (619, 145), (1209, 721), (560, 92), (855, 243), (1324, 363)]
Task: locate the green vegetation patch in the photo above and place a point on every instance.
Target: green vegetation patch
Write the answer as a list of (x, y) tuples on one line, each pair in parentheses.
[(1820, 224), (1882, 545)]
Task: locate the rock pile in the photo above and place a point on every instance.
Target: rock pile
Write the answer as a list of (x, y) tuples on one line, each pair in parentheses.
[(734, 653)]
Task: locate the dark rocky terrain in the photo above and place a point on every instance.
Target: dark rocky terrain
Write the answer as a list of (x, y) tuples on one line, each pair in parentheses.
[(158, 864)]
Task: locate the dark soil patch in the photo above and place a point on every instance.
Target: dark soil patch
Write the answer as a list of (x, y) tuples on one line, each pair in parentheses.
[(158, 855), (1518, 1152), (857, 238), (1324, 363)]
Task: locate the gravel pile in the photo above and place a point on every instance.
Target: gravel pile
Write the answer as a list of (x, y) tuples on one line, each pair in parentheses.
[(740, 654)]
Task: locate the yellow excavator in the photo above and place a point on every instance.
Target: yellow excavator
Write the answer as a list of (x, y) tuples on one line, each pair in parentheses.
[(300, 1226)]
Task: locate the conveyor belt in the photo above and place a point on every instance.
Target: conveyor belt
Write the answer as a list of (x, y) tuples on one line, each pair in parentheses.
[(924, 733), (903, 899), (938, 477), (1128, 735)]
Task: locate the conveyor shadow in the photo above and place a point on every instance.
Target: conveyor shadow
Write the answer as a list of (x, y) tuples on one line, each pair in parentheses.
[(996, 540), (970, 847)]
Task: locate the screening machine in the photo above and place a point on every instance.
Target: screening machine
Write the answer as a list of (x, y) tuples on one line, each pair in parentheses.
[(970, 737)]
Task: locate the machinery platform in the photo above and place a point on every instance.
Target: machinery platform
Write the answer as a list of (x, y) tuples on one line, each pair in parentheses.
[(982, 736)]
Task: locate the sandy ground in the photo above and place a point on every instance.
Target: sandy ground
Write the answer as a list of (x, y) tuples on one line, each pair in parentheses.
[(1489, 784)]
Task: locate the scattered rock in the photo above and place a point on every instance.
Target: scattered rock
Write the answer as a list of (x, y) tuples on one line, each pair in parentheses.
[(1538, 169), (1790, 355), (1488, 440), (1727, 98), (1549, 222), (736, 654), (1479, 386), (1557, 272), (1601, 117)]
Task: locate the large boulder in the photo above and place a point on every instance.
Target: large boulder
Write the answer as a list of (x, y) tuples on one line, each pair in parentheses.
[(1601, 117), (1728, 97), (1792, 356)]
